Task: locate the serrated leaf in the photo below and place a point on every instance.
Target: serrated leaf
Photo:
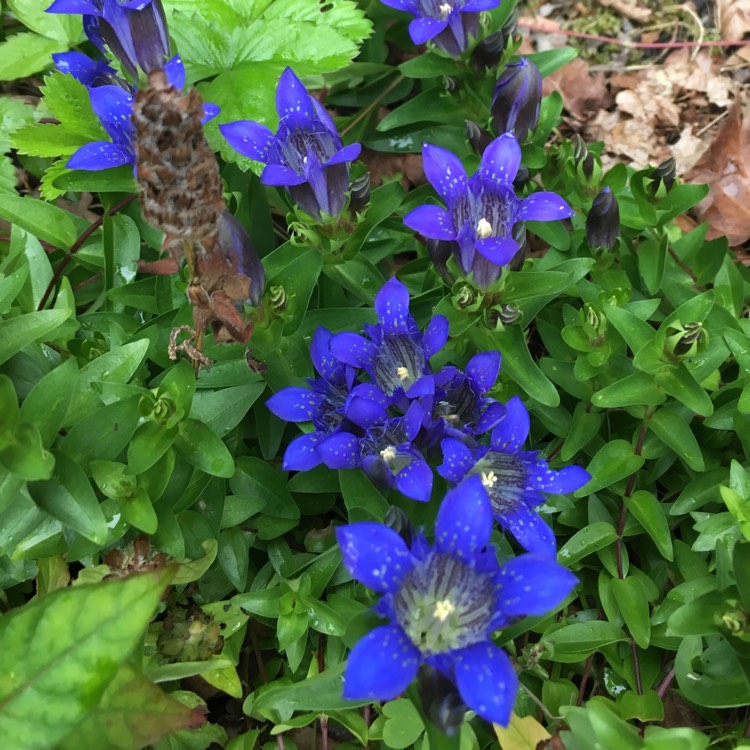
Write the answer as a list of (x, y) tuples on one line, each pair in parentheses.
[(64, 27), (76, 638), (26, 53)]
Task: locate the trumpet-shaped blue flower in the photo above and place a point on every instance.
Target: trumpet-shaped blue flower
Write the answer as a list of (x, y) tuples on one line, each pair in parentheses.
[(482, 210), (305, 156), (512, 479), (449, 23), (85, 69), (395, 354), (113, 105), (385, 452), (517, 98), (443, 603), (134, 30)]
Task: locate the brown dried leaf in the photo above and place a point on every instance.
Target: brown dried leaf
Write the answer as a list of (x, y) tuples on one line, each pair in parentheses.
[(629, 8), (582, 91), (733, 18), (725, 167)]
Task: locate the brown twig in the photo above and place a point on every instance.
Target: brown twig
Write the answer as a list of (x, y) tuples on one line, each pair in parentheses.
[(584, 679), (76, 246), (665, 683)]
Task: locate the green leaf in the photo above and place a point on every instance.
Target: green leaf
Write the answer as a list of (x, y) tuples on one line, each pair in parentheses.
[(362, 499), (69, 497), (678, 382), (553, 59), (633, 606), (591, 538), (224, 409), (427, 66), (612, 462), (649, 512), (673, 427), (585, 426), (25, 456), (26, 53), (87, 632), (573, 642), (299, 279), (16, 333), (638, 389), (636, 332), (234, 557), (199, 446), (403, 726), (45, 221), (65, 28), (646, 707), (150, 442)]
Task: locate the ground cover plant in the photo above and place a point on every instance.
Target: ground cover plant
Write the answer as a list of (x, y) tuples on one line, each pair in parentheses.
[(347, 401)]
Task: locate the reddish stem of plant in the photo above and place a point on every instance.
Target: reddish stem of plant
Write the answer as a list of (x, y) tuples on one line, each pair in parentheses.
[(665, 683), (76, 246), (584, 679)]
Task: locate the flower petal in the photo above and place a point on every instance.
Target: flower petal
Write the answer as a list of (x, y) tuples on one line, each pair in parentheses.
[(458, 460), (569, 479), (483, 369), (407, 5), (529, 530), (415, 480), (277, 175), (340, 451), (374, 554), (301, 453), (364, 412), (464, 521), (209, 112), (544, 206), (346, 154), (533, 585), (325, 364), (99, 155), (486, 681), (501, 160), (473, 6), (292, 99), (512, 432), (82, 67), (88, 7), (431, 221), (251, 139), (294, 404), (114, 107), (435, 335), (422, 30), (353, 349), (498, 250), (445, 172), (392, 307), (381, 666), (175, 71), (491, 416)]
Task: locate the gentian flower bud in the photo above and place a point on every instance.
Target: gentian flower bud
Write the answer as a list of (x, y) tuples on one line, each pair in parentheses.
[(603, 221), (517, 99), (235, 243), (583, 158), (440, 700), (396, 519), (478, 137), (487, 53), (360, 193), (664, 174), (686, 340), (440, 251)]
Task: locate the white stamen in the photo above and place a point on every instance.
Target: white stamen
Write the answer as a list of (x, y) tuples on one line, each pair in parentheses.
[(445, 9), (304, 160), (488, 479), (484, 229), (443, 610), (403, 373), (388, 454)]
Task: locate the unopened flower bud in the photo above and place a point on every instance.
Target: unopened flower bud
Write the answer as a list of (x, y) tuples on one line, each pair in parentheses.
[(603, 221), (519, 235), (516, 99), (467, 299), (440, 252), (440, 700), (687, 340), (584, 160), (451, 84), (397, 520), (478, 137), (360, 193), (500, 316), (663, 174), (487, 53), (522, 177), (235, 244), (278, 298)]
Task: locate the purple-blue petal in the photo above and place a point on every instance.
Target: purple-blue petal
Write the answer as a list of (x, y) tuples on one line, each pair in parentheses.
[(82, 67), (501, 160), (324, 362), (464, 521), (407, 5), (569, 479), (491, 417), (533, 585), (209, 112), (474, 6), (431, 221), (415, 480), (486, 681), (381, 666), (114, 107), (294, 404), (88, 7), (435, 335), (374, 554), (412, 420), (292, 99), (278, 175), (392, 307), (301, 454), (347, 153), (529, 530), (93, 157), (340, 451), (251, 139), (512, 432), (544, 206), (365, 413), (175, 72), (483, 369), (445, 172), (353, 349), (458, 460), (498, 250), (422, 30)]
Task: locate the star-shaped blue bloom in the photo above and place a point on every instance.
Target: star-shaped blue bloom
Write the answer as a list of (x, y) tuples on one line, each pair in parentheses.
[(481, 211), (305, 156), (447, 22), (512, 479), (386, 453), (395, 354), (134, 30), (443, 603), (113, 105)]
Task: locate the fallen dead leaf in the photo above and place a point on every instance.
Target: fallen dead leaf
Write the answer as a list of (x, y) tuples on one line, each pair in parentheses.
[(629, 8), (582, 91), (521, 734), (733, 18), (725, 167), (382, 164)]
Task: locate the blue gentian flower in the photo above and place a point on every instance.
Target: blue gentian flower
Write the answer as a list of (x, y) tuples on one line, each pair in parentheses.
[(396, 354), (461, 408), (323, 404), (447, 22), (134, 30), (443, 603), (512, 479), (481, 211), (305, 156), (386, 453), (85, 69), (113, 105), (517, 99)]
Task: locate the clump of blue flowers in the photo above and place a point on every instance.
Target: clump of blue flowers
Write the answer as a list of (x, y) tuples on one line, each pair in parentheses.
[(443, 602), (482, 212), (306, 154)]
